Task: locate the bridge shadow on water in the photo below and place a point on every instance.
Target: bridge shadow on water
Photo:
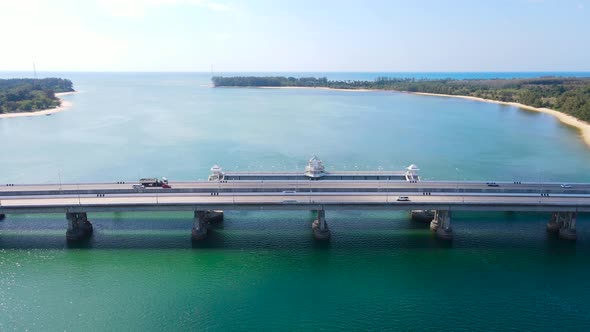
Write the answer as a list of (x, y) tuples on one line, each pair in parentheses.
[(291, 232)]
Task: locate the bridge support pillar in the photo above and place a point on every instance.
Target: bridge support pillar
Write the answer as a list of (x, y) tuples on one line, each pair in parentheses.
[(441, 224), (563, 223), (199, 231), (79, 227), (422, 215), (320, 229), (202, 219)]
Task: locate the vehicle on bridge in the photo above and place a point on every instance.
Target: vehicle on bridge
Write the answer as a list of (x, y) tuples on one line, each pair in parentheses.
[(154, 182), (403, 198)]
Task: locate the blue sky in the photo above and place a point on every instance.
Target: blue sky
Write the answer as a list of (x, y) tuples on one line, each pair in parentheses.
[(298, 35)]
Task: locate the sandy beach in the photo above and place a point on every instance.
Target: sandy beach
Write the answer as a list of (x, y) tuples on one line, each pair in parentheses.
[(569, 120), (64, 106)]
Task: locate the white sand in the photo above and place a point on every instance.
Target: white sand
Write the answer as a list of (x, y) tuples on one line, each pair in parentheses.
[(64, 105)]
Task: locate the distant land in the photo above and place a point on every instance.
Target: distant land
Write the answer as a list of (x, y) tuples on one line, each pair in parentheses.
[(20, 95), (569, 95)]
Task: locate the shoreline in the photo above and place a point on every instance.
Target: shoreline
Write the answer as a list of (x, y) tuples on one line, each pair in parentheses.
[(65, 104), (581, 125)]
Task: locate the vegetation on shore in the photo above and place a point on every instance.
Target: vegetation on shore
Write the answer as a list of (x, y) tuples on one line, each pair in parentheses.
[(27, 94), (567, 95)]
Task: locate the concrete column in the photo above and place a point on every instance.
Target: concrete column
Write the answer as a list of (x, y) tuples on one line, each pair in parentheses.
[(567, 230), (441, 224), (199, 231), (553, 225), (214, 216), (422, 215), (320, 228), (79, 227), (563, 223)]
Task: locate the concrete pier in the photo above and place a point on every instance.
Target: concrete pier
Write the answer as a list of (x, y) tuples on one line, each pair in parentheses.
[(79, 227), (567, 231), (422, 215), (564, 224), (441, 224), (320, 229), (199, 231), (202, 220), (552, 224)]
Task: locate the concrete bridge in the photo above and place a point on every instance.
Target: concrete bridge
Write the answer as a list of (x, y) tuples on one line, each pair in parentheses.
[(430, 201)]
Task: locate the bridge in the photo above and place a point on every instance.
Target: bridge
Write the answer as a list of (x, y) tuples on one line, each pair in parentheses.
[(314, 190)]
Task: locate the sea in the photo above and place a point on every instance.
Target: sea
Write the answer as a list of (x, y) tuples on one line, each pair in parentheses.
[(263, 270)]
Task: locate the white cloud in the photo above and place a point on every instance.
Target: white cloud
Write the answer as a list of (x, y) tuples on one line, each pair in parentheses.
[(137, 8), (218, 6)]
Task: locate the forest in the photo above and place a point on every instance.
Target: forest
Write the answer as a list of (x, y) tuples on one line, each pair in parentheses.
[(27, 94)]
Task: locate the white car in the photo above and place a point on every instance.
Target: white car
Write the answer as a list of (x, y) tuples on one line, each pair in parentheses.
[(565, 185)]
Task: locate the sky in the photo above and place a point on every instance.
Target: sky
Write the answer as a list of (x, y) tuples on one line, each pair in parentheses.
[(295, 35)]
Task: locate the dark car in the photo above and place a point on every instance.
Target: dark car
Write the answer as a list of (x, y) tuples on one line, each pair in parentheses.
[(492, 184)]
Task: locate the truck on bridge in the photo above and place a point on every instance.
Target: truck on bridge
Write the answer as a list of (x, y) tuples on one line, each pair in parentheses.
[(154, 182)]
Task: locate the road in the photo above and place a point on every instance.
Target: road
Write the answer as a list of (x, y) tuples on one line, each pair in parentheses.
[(304, 186), (168, 201)]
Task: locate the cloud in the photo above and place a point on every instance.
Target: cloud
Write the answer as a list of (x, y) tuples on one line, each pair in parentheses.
[(218, 6), (138, 8)]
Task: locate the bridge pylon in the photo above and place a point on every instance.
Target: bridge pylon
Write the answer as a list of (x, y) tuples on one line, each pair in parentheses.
[(201, 221), (320, 229), (79, 227), (441, 224), (563, 223)]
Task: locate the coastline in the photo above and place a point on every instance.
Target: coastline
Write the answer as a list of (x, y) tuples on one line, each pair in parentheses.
[(64, 106), (318, 88), (582, 126)]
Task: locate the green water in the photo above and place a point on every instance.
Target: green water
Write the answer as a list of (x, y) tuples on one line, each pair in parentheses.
[(263, 270)]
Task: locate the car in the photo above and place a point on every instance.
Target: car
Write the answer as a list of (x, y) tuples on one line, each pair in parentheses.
[(138, 187), (565, 185), (166, 186), (492, 184), (403, 198)]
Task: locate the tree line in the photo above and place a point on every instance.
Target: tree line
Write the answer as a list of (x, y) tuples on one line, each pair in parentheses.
[(28, 94), (567, 95)]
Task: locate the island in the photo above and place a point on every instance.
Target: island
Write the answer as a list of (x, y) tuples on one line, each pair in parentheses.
[(568, 95), (26, 95)]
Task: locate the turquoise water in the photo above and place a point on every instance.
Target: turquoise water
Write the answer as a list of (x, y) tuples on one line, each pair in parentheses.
[(262, 270)]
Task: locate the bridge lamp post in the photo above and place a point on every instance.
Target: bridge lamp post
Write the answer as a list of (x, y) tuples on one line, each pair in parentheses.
[(78, 187), (59, 176), (457, 184), (379, 179)]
